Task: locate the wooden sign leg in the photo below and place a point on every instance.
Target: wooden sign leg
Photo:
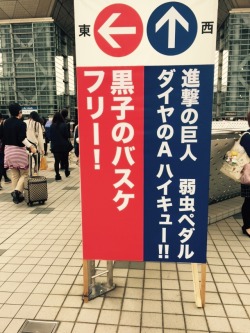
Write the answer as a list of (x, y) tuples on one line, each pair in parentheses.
[(199, 289), (203, 284), (196, 283)]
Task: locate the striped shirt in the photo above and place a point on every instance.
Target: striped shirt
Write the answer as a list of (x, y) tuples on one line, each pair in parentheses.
[(15, 157)]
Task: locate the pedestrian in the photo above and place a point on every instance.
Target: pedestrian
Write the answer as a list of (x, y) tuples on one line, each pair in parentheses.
[(245, 189), (59, 143), (47, 132), (76, 144), (45, 140), (35, 136), (3, 170), (64, 113), (13, 134)]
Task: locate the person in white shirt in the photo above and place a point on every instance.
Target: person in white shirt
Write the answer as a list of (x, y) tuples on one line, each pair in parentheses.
[(35, 136)]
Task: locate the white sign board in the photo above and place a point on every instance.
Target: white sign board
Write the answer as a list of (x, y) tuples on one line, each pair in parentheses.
[(104, 28)]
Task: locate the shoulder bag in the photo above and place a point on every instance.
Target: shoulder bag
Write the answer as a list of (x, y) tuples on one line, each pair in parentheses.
[(234, 161)]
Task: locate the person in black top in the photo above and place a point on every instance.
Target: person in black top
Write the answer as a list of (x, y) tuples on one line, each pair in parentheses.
[(13, 134), (59, 144), (76, 144), (65, 113), (245, 189)]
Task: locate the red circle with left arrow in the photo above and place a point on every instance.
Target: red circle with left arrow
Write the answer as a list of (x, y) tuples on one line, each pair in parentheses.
[(118, 30)]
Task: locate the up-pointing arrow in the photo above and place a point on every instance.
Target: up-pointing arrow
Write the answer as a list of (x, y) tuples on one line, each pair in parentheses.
[(106, 30), (173, 16)]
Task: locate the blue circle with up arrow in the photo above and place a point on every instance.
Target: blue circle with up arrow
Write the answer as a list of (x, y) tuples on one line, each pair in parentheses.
[(172, 28)]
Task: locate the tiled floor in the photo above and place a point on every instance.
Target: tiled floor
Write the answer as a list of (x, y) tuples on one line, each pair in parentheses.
[(41, 274)]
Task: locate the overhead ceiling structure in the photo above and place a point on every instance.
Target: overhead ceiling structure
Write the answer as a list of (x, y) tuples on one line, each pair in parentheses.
[(62, 11), (226, 5)]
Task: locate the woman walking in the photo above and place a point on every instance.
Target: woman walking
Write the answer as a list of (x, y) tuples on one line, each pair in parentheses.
[(59, 143), (245, 189), (76, 144), (13, 134), (35, 136)]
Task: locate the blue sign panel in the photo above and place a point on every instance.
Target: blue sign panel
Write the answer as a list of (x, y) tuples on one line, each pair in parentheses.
[(178, 101), (172, 28)]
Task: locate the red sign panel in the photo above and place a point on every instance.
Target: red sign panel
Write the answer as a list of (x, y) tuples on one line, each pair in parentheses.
[(111, 128)]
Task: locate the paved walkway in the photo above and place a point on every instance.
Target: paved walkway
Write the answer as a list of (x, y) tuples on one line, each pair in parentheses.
[(41, 276)]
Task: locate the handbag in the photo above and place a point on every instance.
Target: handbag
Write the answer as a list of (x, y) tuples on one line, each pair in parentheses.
[(70, 146), (43, 163), (234, 161), (245, 174)]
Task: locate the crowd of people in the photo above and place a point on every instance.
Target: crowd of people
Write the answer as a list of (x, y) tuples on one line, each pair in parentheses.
[(21, 138)]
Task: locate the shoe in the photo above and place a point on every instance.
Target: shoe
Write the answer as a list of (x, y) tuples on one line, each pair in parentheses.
[(7, 180), (58, 177), (21, 198), (17, 197), (67, 173), (245, 231), (14, 196)]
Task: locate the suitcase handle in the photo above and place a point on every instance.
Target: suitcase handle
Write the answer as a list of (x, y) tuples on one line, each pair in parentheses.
[(30, 162)]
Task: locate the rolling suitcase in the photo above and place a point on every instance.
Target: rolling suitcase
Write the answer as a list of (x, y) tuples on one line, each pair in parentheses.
[(35, 187)]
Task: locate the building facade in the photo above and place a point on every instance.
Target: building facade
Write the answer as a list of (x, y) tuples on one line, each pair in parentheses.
[(37, 57), (36, 66), (232, 88)]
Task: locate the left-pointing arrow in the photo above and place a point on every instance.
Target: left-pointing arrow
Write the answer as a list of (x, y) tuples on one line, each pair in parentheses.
[(106, 30)]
